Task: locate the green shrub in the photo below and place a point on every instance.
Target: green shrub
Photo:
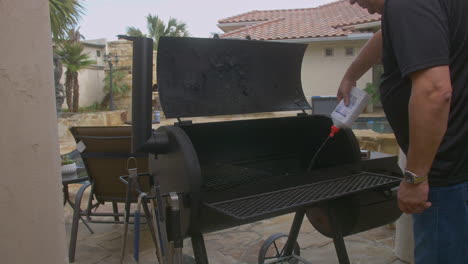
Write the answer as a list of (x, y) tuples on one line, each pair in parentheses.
[(373, 91)]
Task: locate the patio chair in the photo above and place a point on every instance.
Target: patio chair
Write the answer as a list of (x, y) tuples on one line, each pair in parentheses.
[(105, 155)]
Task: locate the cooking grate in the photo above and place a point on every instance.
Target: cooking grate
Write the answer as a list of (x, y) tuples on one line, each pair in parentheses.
[(224, 176), (287, 199)]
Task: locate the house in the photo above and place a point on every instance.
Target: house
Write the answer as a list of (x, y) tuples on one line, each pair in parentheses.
[(91, 79), (334, 33)]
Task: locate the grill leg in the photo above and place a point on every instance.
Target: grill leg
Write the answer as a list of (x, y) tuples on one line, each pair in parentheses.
[(116, 211), (199, 250), (150, 223), (294, 232), (338, 240)]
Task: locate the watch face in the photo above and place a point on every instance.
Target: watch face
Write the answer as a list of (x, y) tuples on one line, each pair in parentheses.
[(409, 177)]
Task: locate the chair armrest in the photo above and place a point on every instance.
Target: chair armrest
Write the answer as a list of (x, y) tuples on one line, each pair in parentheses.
[(79, 195)]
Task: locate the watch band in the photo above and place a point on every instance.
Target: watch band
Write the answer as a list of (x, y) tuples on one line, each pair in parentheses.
[(413, 178)]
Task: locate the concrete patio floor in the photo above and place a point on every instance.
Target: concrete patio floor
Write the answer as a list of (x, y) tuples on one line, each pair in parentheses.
[(238, 245)]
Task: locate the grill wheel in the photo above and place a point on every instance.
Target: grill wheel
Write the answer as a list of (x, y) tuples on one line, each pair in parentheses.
[(273, 249)]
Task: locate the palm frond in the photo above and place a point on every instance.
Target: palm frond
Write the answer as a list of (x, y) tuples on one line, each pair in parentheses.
[(73, 58), (135, 32), (64, 14), (157, 28)]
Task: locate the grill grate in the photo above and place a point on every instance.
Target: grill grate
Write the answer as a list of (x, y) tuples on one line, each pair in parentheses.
[(224, 176), (287, 199)]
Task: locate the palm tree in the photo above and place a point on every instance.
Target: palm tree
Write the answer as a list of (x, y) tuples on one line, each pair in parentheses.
[(63, 15), (71, 53), (157, 28)]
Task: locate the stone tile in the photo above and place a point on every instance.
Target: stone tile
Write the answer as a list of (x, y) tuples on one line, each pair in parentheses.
[(313, 239), (379, 233), (359, 253), (87, 254), (389, 242)]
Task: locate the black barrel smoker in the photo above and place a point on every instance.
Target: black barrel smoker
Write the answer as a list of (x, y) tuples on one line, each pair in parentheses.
[(218, 175)]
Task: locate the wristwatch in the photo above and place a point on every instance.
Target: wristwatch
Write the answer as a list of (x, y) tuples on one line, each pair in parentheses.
[(413, 178)]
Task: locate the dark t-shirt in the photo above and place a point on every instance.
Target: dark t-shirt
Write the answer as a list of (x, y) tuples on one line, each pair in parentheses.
[(420, 34)]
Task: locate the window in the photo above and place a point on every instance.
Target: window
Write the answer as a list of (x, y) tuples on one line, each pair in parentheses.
[(98, 53), (349, 51), (329, 52)]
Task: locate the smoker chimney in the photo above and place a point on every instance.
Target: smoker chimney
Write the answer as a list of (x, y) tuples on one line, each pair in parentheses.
[(142, 80)]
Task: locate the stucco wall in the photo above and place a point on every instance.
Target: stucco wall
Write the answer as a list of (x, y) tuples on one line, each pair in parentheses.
[(32, 226), (322, 75), (91, 82)]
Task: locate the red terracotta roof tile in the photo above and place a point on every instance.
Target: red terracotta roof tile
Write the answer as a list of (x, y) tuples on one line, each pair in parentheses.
[(322, 21)]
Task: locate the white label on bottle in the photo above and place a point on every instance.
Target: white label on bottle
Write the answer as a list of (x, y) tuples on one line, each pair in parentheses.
[(344, 110), (344, 116)]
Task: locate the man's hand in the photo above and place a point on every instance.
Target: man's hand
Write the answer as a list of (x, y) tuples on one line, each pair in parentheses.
[(344, 90), (368, 57), (412, 198)]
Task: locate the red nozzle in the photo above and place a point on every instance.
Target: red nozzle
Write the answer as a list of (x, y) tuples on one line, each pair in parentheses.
[(333, 131)]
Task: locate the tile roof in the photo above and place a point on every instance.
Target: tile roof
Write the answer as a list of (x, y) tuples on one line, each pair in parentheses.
[(322, 21)]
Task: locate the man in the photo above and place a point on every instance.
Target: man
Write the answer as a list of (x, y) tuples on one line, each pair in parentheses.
[(423, 46)]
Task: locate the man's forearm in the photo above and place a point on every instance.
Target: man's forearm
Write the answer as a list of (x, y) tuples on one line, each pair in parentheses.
[(369, 55), (428, 116)]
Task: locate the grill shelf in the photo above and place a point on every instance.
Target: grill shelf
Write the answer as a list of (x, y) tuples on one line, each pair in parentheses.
[(289, 199)]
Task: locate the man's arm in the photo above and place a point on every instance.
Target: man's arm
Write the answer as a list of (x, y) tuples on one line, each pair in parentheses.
[(428, 116), (369, 55)]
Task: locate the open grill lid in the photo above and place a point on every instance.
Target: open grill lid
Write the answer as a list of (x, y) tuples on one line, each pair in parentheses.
[(207, 77)]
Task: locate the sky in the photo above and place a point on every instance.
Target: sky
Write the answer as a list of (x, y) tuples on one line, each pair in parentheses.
[(108, 18)]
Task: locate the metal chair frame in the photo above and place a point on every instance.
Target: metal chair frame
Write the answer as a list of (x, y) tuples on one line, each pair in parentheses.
[(89, 212)]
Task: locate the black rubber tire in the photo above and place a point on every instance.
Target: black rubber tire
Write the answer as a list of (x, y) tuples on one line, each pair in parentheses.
[(271, 241)]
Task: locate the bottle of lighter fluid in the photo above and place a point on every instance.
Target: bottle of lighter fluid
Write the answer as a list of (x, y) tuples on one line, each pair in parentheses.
[(343, 116)]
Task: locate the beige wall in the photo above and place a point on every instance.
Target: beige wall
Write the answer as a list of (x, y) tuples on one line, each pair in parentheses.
[(32, 222), (322, 75), (91, 82)]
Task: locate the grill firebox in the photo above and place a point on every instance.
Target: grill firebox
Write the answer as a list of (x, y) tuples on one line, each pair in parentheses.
[(236, 172)]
